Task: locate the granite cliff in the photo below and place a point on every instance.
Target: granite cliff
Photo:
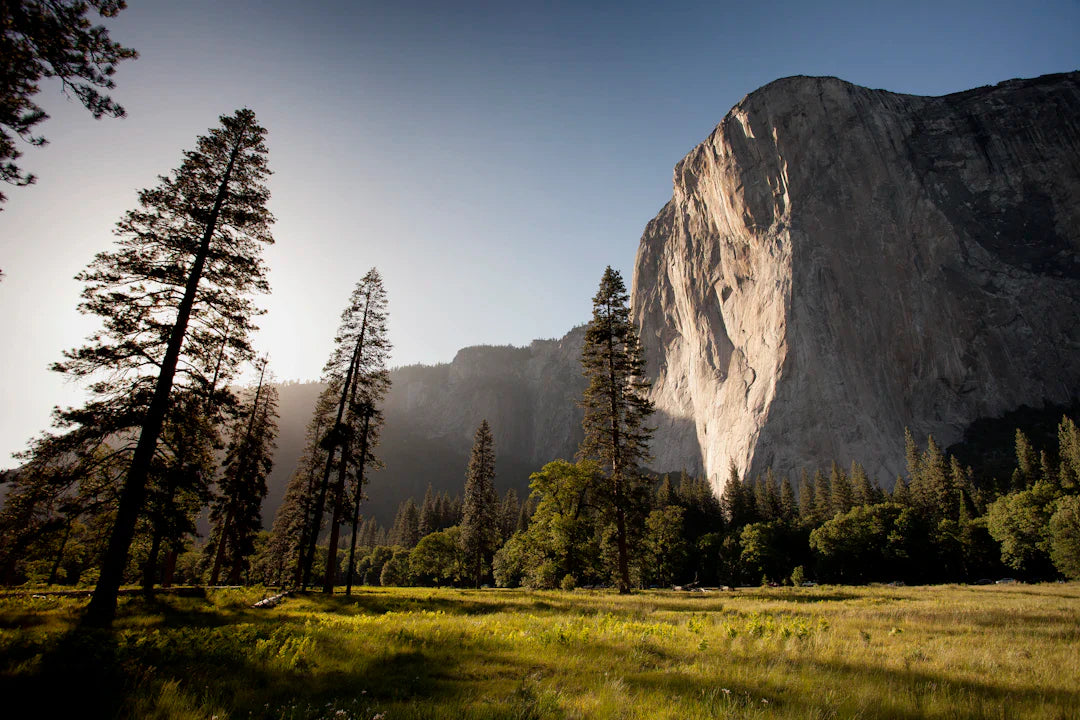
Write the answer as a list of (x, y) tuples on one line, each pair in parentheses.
[(838, 263)]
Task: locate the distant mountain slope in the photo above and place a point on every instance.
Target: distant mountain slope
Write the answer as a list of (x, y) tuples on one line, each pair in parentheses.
[(529, 396)]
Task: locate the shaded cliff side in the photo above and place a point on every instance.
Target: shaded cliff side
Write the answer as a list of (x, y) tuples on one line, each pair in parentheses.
[(529, 395), (837, 263)]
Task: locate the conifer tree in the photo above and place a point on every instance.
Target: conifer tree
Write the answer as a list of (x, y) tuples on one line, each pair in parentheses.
[(1069, 454), (772, 495), (843, 497), (479, 522), (807, 502), (236, 510), (932, 490), (406, 529), (863, 490), (509, 511), (1027, 463), (901, 493), (357, 368), (429, 520), (735, 500), (789, 509), (184, 265), (52, 38), (665, 494), (823, 509), (616, 406)]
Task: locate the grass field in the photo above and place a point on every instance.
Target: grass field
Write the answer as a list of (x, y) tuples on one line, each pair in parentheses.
[(827, 652)]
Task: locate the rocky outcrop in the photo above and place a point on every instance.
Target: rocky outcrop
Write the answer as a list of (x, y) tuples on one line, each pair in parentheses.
[(837, 263)]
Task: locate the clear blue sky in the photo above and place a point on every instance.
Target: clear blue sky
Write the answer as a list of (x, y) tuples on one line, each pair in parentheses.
[(489, 158)]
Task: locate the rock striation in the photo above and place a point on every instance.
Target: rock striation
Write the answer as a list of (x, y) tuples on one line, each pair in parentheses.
[(839, 263)]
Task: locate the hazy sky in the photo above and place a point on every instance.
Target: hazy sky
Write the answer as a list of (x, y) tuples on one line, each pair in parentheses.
[(490, 158)]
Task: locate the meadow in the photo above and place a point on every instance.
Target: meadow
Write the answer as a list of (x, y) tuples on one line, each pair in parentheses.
[(998, 651)]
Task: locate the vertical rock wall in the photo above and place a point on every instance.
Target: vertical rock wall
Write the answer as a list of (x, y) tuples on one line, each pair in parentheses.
[(837, 263)]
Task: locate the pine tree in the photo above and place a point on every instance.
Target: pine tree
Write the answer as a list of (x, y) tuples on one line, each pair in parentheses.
[(357, 368), (1069, 453), (185, 263), (52, 38), (509, 510), (863, 490), (807, 502), (1027, 463), (789, 509), (843, 497), (406, 529), (823, 509), (429, 520), (235, 511), (901, 493), (934, 491), (736, 500), (616, 406), (479, 523)]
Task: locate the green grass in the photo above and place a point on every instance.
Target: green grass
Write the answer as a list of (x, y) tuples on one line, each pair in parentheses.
[(827, 652)]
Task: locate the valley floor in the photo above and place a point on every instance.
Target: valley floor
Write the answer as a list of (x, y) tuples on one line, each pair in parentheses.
[(998, 651)]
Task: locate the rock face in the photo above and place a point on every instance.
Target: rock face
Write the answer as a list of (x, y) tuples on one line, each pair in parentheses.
[(529, 395), (838, 263)]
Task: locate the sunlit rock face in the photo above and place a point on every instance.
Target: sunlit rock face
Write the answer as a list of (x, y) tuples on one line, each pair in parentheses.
[(837, 263)]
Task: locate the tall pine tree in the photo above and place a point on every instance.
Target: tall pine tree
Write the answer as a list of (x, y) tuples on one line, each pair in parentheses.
[(480, 521), (616, 406), (186, 261), (357, 368)]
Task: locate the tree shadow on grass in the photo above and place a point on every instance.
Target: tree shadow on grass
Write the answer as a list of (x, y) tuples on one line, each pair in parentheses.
[(986, 698), (78, 674), (250, 670)]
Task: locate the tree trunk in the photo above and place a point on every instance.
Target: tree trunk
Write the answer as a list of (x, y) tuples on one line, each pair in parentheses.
[(348, 394), (102, 607), (335, 531), (170, 567), (59, 555), (356, 502), (616, 465), (219, 551), (316, 521), (151, 562)]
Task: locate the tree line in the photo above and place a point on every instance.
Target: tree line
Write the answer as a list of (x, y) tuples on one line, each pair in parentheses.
[(113, 493)]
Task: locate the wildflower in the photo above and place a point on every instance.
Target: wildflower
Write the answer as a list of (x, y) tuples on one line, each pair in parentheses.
[(764, 701), (725, 691)]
